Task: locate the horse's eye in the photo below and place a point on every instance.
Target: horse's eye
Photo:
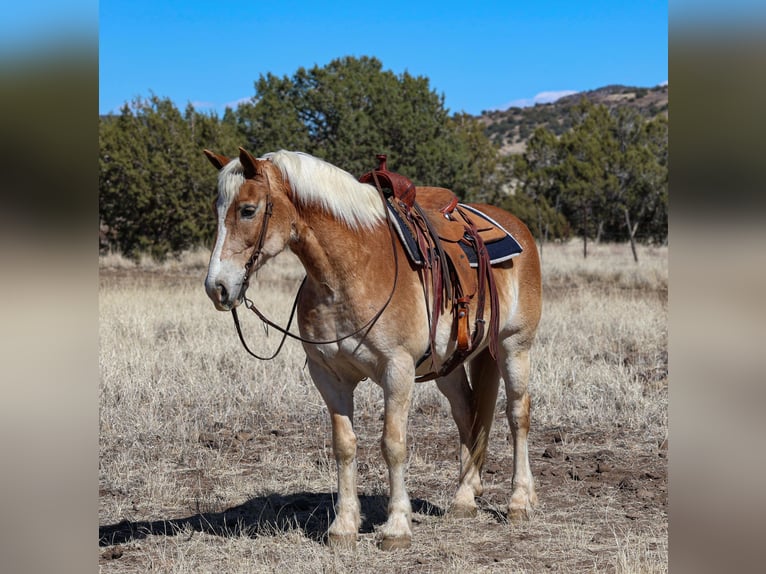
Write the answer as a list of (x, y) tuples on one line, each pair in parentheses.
[(247, 211)]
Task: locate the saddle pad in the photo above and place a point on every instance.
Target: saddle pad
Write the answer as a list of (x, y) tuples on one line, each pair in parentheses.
[(499, 250), (405, 235)]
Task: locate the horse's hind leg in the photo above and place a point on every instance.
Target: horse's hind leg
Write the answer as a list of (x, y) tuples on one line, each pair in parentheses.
[(514, 363), (473, 408), (455, 387), (339, 397)]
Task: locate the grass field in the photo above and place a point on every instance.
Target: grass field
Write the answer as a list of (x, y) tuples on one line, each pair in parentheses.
[(211, 461)]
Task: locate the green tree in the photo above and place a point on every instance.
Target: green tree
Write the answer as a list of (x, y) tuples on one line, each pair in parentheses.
[(586, 153), (606, 176), (629, 167), (537, 195), (155, 188), (272, 119), (655, 220), (598, 172), (351, 109), (636, 196)]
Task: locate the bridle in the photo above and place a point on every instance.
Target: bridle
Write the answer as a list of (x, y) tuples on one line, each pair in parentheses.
[(249, 265)]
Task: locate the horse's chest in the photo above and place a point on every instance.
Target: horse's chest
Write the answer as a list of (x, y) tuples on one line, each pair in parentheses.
[(347, 359)]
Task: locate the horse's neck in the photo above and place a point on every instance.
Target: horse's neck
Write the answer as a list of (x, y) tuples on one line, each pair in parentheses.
[(332, 254)]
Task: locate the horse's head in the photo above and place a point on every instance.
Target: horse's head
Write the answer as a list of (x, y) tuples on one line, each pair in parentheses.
[(255, 220)]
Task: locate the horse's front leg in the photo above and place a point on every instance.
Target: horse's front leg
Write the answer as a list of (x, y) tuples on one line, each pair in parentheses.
[(398, 383), (339, 397)]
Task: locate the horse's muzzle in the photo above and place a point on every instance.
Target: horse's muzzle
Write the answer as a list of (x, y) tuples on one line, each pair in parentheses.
[(223, 298)]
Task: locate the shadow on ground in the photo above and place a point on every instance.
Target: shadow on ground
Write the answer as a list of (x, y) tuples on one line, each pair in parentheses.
[(309, 511)]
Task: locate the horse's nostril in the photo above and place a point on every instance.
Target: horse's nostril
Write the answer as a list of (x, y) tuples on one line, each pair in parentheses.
[(222, 290)]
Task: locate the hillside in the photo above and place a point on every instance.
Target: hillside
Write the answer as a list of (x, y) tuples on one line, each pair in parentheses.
[(511, 128)]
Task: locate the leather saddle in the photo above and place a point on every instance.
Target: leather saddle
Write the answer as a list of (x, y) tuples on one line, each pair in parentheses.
[(453, 244)]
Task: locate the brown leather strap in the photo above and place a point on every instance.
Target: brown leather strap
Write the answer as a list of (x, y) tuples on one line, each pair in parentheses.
[(485, 283), (284, 332), (450, 207)]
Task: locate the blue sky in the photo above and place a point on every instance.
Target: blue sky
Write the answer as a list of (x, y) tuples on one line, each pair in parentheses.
[(481, 56)]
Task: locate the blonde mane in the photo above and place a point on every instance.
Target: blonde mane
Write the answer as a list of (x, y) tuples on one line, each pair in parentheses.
[(316, 182), (313, 182)]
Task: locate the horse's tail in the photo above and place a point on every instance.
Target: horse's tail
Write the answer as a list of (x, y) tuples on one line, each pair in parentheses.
[(485, 381)]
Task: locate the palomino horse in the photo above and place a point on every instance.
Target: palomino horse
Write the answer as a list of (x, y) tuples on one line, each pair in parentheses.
[(337, 228)]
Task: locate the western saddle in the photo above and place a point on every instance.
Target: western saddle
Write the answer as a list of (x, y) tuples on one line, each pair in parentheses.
[(447, 242)]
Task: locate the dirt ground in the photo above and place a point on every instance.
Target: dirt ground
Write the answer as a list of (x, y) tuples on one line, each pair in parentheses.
[(603, 484)]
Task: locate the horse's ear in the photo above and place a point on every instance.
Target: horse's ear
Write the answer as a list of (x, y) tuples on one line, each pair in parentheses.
[(249, 163), (217, 160)]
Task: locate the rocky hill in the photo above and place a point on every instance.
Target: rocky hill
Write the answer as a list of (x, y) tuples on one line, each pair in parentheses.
[(512, 128)]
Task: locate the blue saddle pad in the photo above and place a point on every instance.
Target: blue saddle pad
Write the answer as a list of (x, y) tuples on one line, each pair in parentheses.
[(499, 250), (405, 236)]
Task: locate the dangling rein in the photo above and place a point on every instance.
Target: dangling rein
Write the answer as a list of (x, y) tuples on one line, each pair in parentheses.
[(286, 330)]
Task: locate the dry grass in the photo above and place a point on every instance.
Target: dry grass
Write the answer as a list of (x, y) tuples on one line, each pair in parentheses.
[(194, 259), (219, 463), (608, 266)]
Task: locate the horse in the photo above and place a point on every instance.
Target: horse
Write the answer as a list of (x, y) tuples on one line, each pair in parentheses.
[(362, 313)]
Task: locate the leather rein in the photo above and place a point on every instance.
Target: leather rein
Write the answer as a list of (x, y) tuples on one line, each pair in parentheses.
[(286, 330)]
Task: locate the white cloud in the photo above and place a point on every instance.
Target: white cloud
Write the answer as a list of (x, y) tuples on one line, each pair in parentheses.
[(549, 97), (541, 98)]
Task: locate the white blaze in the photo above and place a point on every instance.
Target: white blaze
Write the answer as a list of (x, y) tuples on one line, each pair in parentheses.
[(220, 271)]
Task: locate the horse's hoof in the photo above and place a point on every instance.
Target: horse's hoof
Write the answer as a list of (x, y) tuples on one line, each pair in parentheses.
[(518, 514), (342, 541), (462, 511), (395, 543)]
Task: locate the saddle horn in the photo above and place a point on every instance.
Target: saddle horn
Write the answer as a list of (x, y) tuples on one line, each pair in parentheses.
[(402, 188)]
